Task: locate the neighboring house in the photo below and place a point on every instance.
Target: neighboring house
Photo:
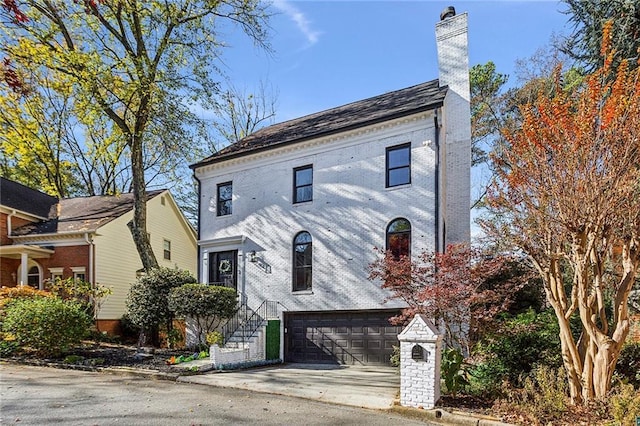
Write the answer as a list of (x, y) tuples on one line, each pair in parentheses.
[(292, 213), (43, 237)]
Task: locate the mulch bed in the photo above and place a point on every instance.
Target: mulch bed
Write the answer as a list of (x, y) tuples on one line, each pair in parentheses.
[(99, 354)]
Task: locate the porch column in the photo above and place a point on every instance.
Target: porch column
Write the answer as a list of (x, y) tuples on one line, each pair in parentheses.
[(24, 268)]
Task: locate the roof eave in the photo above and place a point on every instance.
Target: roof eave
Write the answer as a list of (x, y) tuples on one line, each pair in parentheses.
[(239, 154)]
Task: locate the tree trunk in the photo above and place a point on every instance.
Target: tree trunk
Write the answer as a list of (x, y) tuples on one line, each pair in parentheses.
[(138, 226), (571, 360)]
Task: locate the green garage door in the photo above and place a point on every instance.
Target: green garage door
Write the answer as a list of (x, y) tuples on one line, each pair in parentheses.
[(359, 337)]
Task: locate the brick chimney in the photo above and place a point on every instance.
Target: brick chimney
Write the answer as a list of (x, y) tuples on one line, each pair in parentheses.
[(455, 150)]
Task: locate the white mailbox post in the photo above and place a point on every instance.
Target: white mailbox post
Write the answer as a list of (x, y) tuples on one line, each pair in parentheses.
[(420, 353)]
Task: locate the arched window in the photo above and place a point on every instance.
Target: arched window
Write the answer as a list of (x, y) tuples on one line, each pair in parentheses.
[(399, 237), (302, 259), (34, 275)]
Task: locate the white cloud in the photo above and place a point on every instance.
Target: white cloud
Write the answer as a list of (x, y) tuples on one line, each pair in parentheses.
[(301, 21)]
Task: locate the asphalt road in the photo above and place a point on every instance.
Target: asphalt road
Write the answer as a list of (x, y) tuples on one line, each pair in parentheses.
[(49, 396)]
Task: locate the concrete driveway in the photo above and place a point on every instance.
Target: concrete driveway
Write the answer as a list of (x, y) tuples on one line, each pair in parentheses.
[(359, 386)]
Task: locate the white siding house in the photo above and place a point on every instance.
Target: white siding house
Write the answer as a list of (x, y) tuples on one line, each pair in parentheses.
[(292, 213)]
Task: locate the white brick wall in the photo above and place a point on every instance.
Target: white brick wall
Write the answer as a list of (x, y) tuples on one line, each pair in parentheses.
[(254, 350), (348, 216), (453, 65), (351, 207), (420, 379)]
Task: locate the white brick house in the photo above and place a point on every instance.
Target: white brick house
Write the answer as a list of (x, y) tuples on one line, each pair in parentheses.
[(293, 212)]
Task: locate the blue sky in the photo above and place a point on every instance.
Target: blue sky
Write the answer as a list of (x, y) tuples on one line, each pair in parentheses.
[(328, 53)]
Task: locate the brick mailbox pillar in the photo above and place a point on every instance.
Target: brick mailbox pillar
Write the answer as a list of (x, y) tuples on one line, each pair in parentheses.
[(420, 353)]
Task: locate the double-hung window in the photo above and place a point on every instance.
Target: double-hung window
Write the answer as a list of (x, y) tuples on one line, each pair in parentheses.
[(166, 249), (398, 165), (303, 184), (225, 192)]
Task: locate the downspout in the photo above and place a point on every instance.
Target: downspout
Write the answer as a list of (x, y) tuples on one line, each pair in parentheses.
[(244, 266), (436, 192), (89, 241), (92, 280), (13, 213), (199, 269)]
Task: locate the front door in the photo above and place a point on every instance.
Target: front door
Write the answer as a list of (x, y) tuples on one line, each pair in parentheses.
[(223, 269)]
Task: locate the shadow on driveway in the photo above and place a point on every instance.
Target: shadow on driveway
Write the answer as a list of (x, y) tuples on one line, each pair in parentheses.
[(374, 387)]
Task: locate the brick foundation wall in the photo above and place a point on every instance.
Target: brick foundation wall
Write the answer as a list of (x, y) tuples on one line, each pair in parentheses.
[(111, 327)]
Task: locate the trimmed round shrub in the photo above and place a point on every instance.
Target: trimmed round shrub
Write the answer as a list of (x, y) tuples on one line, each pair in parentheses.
[(45, 324), (147, 302), (206, 305)]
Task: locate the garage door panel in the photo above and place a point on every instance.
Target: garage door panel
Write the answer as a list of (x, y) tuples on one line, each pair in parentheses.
[(357, 344), (374, 344), (339, 337), (355, 330)]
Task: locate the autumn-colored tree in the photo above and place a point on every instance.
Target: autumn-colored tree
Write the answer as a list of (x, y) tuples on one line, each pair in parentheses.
[(459, 288), (143, 65), (569, 197)]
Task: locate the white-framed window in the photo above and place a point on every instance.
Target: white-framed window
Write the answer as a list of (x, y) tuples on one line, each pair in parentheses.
[(79, 273), (55, 273), (166, 249), (34, 275)]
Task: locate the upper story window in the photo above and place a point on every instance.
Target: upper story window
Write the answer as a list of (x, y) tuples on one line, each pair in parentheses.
[(167, 249), (302, 261), (225, 191), (398, 165), (303, 184), (399, 237)]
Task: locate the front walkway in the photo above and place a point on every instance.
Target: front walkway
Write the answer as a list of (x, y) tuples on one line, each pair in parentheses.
[(374, 387)]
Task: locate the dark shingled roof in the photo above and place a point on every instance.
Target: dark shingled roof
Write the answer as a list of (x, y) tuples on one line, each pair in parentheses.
[(411, 100), (17, 196), (82, 214)]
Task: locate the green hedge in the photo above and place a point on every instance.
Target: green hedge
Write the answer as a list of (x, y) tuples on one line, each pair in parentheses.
[(46, 325)]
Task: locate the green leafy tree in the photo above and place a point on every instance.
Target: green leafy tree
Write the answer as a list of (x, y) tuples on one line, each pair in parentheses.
[(206, 305), (589, 18), (143, 65), (148, 300)]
